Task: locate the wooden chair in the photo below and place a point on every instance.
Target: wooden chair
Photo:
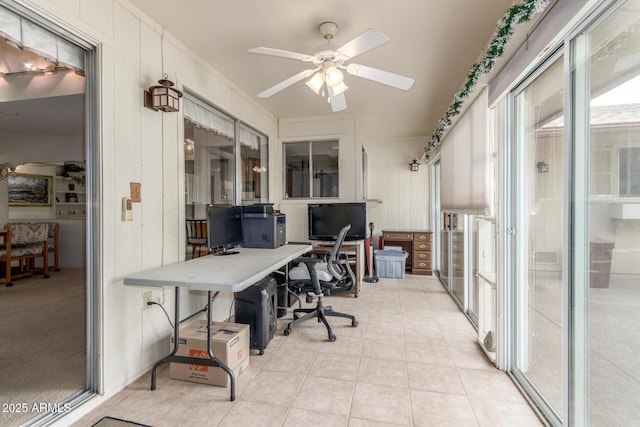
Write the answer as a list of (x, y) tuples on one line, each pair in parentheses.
[(197, 237), (54, 234), (23, 243)]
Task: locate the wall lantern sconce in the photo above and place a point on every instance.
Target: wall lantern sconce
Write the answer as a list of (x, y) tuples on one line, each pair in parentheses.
[(415, 166), (542, 167), (163, 97)]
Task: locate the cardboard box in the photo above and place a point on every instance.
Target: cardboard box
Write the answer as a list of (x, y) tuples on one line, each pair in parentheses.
[(229, 343)]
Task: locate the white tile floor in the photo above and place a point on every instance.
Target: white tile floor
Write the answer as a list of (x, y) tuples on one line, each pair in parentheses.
[(412, 361)]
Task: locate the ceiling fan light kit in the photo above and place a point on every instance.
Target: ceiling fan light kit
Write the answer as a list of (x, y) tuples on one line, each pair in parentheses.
[(315, 83), (334, 76), (330, 60), (338, 89)]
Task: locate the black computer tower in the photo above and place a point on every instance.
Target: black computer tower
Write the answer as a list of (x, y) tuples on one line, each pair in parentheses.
[(256, 306), (263, 230)]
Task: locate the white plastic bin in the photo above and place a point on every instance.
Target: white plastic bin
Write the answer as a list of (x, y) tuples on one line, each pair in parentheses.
[(390, 264)]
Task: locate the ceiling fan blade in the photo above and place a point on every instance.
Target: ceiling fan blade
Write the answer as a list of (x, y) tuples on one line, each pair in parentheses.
[(380, 76), (286, 83), (338, 102), (363, 42), (281, 53)]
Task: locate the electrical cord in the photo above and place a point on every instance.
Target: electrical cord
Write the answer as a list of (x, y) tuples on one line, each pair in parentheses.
[(233, 303), (213, 298), (165, 311)]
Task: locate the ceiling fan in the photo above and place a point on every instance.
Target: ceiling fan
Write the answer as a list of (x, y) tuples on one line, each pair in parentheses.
[(326, 78)]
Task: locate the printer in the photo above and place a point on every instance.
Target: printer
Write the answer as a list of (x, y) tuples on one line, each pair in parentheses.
[(263, 227)]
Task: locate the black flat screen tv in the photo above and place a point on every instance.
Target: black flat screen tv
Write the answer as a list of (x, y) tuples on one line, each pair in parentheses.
[(224, 228), (327, 219)]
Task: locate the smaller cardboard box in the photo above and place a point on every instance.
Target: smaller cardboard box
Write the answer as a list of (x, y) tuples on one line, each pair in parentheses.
[(229, 343)]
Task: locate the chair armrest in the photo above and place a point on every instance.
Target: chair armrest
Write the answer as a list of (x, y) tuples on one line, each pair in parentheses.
[(313, 275), (308, 261)]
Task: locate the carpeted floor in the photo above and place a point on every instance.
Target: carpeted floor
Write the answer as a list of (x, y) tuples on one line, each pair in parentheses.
[(43, 333)]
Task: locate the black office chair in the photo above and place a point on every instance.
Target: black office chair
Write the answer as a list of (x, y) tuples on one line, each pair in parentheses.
[(322, 274), (197, 237)]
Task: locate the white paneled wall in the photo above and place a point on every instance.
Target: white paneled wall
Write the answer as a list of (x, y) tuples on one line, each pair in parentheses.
[(398, 198), (343, 128), (139, 145), (404, 194)]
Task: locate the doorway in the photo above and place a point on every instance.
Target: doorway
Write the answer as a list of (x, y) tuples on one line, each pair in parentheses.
[(46, 110)]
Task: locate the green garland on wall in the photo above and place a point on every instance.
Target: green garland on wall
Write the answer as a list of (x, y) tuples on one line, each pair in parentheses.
[(516, 15)]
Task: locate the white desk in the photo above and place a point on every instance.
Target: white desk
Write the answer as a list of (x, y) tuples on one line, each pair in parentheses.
[(225, 273)]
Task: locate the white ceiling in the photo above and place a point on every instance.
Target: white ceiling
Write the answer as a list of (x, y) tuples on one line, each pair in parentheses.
[(433, 41)]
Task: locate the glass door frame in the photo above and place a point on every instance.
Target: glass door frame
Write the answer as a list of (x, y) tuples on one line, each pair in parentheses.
[(94, 224), (578, 154), (513, 256), (436, 214)]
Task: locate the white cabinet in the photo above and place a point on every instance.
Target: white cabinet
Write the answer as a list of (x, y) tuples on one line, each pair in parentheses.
[(70, 198)]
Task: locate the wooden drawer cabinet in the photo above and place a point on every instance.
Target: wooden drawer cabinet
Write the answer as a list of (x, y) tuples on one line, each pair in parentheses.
[(422, 237), (422, 246), (397, 236), (417, 243)]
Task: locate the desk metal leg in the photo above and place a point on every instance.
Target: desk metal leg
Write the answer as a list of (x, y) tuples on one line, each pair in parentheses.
[(232, 377), (212, 361)]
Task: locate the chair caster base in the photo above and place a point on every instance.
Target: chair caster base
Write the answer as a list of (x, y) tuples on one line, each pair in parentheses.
[(354, 323), (287, 332), (332, 337)]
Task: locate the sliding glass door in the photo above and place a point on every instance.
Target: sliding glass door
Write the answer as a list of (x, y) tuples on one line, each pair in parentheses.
[(539, 194), (605, 380)]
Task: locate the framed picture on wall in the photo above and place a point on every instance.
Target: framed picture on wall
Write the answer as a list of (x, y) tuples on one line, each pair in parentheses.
[(29, 190)]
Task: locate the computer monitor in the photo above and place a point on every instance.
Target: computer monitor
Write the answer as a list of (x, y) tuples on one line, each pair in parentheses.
[(224, 227), (327, 219)]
